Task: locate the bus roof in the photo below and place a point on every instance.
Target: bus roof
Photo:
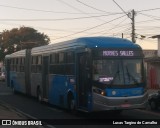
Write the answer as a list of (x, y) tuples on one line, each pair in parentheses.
[(109, 42), (88, 42), (16, 54)]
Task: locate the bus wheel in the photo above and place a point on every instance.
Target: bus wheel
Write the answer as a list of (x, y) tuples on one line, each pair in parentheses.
[(39, 95), (153, 105)]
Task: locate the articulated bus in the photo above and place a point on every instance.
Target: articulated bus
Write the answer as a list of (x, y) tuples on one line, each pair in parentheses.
[(88, 74)]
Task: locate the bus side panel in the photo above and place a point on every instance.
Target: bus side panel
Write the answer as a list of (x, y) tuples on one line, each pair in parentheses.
[(58, 90), (36, 80), (17, 82)]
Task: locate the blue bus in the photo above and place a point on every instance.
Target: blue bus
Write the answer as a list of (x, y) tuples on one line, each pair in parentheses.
[(88, 74)]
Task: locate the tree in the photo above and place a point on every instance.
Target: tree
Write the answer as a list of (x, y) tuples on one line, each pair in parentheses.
[(20, 38)]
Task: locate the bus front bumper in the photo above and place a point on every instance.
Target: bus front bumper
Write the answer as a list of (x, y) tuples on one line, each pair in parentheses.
[(102, 103)]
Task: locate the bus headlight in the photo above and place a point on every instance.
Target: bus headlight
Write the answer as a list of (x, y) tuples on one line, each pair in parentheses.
[(103, 93), (99, 91)]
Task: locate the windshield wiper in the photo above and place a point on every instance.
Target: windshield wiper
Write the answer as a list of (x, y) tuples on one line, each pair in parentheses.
[(130, 76), (115, 76)]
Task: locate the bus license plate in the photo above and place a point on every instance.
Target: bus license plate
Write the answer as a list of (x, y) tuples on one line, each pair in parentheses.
[(125, 105)]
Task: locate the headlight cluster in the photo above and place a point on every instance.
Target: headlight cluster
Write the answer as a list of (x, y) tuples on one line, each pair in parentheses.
[(99, 91)]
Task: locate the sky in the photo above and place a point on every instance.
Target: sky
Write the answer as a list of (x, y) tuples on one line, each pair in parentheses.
[(63, 20)]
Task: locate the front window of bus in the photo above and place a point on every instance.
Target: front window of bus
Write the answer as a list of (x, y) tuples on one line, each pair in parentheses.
[(117, 71)]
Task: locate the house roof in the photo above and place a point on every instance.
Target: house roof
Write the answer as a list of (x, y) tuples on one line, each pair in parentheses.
[(156, 36)]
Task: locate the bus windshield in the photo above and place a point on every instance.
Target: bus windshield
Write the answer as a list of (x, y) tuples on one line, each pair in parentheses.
[(118, 71)]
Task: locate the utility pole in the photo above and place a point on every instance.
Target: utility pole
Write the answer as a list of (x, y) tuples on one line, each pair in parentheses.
[(133, 26), (131, 16)]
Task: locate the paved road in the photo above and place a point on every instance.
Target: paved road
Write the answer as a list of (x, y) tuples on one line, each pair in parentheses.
[(54, 115)]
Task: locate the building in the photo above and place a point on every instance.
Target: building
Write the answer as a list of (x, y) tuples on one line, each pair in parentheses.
[(152, 59)]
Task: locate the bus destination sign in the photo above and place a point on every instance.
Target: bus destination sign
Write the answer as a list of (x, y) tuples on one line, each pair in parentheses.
[(118, 53)]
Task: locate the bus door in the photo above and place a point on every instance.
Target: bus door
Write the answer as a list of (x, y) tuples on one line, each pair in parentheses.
[(45, 75), (83, 80)]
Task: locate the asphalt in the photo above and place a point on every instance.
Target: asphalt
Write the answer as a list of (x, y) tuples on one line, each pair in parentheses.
[(8, 112)]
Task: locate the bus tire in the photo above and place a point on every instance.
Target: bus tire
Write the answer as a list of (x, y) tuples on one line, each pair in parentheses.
[(153, 105), (39, 95)]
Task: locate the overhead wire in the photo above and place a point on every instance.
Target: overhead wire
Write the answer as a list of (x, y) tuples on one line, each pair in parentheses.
[(50, 11), (89, 28), (149, 10), (115, 27), (91, 7), (69, 5), (147, 29), (104, 31), (54, 12), (121, 8), (45, 11), (60, 19), (127, 14), (155, 18), (137, 11), (139, 22), (151, 16), (80, 12), (29, 9)]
